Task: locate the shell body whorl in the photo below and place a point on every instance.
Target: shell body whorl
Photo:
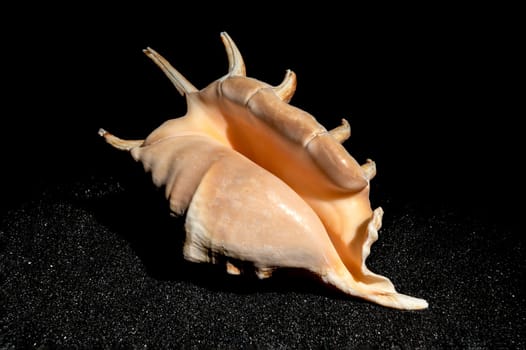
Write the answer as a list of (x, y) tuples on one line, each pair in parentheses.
[(262, 181)]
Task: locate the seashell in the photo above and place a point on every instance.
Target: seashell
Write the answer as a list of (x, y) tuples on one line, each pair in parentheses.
[(262, 181)]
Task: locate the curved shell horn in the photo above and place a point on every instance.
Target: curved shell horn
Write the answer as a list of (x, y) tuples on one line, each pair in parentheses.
[(181, 84), (286, 89), (236, 66), (342, 132)]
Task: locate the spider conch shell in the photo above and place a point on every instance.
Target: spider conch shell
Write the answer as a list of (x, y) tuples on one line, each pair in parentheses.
[(262, 181)]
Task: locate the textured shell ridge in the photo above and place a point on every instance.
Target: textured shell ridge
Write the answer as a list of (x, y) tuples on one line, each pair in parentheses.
[(262, 181)]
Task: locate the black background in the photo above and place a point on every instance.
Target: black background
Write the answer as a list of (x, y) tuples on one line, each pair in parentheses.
[(426, 90), (430, 93)]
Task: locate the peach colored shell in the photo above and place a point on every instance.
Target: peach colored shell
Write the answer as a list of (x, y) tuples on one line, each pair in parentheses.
[(261, 181)]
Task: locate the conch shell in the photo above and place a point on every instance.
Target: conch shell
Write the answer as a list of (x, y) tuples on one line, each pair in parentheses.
[(262, 181)]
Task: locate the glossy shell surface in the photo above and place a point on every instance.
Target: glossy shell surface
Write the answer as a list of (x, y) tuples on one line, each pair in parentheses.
[(261, 181)]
